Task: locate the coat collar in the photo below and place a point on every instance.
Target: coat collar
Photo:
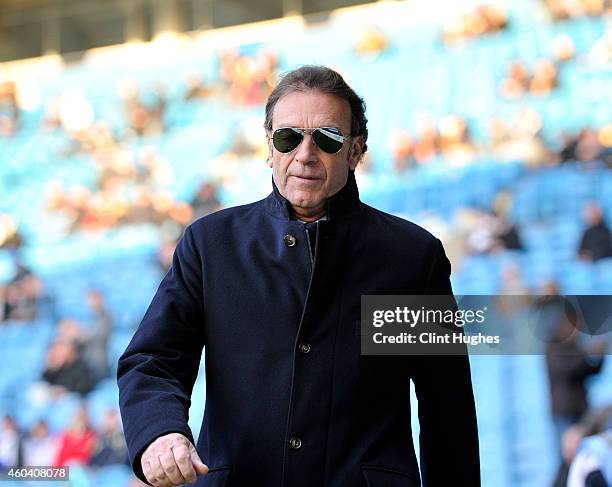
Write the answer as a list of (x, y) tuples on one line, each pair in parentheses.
[(343, 204)]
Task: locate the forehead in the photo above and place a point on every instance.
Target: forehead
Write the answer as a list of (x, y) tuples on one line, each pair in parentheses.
[(311, 109)]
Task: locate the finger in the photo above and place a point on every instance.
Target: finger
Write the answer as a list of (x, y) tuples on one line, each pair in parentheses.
[(183, 460), (147, 470), (160, 479), (198, 464), (170, 468)]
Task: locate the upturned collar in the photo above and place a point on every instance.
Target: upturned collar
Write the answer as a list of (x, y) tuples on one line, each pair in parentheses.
[(341, 205)]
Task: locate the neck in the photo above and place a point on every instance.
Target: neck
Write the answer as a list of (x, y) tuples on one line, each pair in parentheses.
[(310, 214)]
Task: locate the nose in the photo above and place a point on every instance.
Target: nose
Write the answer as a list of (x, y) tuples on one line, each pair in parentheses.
[(306, 151)]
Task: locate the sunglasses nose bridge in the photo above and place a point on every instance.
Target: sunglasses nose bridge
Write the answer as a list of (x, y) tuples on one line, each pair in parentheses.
[(307, 147)]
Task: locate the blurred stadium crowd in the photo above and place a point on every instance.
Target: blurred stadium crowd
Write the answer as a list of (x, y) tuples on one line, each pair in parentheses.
[(492, 128)]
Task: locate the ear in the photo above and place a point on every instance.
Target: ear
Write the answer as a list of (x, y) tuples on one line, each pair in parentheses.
[(355, 152), (270, 152)]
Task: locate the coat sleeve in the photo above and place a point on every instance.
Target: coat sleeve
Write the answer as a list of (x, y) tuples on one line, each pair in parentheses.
[(448, 439), (158, 369)]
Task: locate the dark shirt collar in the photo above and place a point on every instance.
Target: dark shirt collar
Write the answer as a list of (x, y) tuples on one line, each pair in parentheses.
[(343, 204)]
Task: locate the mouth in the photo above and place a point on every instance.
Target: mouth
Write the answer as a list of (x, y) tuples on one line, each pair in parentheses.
[(305, 178)]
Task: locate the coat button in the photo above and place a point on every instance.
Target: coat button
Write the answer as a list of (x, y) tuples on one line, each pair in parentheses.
[(295, 442), (290, 240), (304, 347)]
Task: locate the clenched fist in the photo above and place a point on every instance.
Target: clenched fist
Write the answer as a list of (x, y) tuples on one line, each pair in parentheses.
[(171, 460)]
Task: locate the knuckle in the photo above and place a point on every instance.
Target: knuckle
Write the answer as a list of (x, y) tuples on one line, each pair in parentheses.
[(181, 455), (166, 456)]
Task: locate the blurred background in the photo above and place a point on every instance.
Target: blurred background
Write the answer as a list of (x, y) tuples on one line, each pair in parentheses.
[(123, 121)]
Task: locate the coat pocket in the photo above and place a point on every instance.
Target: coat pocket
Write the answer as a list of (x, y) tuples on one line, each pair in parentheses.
[(385, 477), (216, 477)]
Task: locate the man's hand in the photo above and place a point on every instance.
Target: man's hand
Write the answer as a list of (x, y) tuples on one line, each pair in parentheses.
[(171, 460)]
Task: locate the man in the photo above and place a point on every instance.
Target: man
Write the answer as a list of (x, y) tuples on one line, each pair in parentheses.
[(272, 290), (596, 240), (569, 366)]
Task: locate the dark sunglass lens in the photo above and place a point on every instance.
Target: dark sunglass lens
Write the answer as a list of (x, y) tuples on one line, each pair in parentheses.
[(286, 139), (327, 141)]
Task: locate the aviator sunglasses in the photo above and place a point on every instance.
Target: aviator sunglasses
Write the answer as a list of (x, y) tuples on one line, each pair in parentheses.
[(328, 139)]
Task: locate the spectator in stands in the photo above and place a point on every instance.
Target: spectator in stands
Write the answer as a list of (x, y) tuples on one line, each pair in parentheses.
[(548, 307), (179, 214), (77, 444), (75, 116), (588, 145), (596, 241), (9, 234), (165, 253), (152, 169), (512, 282), (565, 9), (142, 119), (121, 199), (246, 84), (520, 140), (401, 145), (582, 450), (372, 43), (505, 232), (605, 139), (97, 341), (478, 229), (10, 443), (110, 446), (96, 139), (248, 80), (568, 151), (196, 88), (267, 59), (449, 138), (563, 48), (39, 446), (568, 366), (520, 80), (454, 141), (21, 295), (426, 146), (516, 82), (205, 201), (66, 370), (69, 329), (141, 207), (51, 118), (544, 78), (480, 20), (10, 114), (3, 303)]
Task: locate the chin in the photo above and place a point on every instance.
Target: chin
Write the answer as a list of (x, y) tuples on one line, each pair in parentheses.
[(305, 200)]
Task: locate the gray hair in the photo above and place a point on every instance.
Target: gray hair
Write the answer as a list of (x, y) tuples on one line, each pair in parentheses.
[(326, 80)]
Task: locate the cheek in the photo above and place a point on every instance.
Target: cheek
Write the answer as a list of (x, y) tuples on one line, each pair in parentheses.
[(336, 174), (280, 165)]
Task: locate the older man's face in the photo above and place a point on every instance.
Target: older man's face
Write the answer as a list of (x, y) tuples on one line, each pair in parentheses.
[(307, 176)]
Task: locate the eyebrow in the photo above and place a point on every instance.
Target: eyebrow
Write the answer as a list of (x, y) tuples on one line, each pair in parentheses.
[(330, 125)]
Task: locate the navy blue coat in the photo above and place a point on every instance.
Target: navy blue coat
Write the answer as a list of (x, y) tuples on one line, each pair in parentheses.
[(290, 401)]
